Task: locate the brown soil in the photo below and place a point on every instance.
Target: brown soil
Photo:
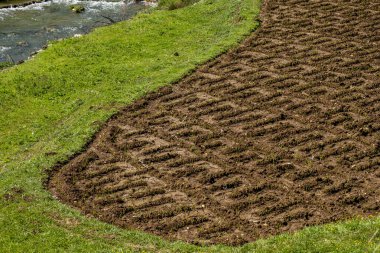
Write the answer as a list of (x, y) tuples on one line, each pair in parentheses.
[(280, 133)]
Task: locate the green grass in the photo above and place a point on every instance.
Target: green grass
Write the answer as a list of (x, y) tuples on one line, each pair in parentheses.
[(175, 4), (4, 65), (51, 106)]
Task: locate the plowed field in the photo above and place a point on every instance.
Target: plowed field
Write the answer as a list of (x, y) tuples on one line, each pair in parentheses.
[(280, 133)]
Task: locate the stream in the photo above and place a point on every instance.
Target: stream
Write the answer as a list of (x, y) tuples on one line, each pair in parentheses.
[(25, 30)]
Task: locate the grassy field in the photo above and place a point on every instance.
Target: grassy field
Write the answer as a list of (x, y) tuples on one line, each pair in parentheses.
[(51, 105), (175, 4)]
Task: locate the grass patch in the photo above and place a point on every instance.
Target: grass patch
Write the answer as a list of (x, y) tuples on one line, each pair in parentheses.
[(175, 4), (4, 65), (52, 105)]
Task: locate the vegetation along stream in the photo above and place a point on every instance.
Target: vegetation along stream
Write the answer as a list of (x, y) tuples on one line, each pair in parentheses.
[(26, 29)]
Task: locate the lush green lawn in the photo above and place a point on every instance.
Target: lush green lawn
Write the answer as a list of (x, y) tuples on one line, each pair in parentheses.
[(50, 107), (175, 4)]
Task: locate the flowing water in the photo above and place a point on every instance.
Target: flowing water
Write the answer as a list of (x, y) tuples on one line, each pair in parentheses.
[(24, 30)]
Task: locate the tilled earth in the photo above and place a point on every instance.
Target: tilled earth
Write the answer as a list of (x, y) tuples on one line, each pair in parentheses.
[(280, 133)]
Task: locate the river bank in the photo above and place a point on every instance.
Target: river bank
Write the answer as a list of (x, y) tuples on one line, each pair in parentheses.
[(23, 3), (28, 29)]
